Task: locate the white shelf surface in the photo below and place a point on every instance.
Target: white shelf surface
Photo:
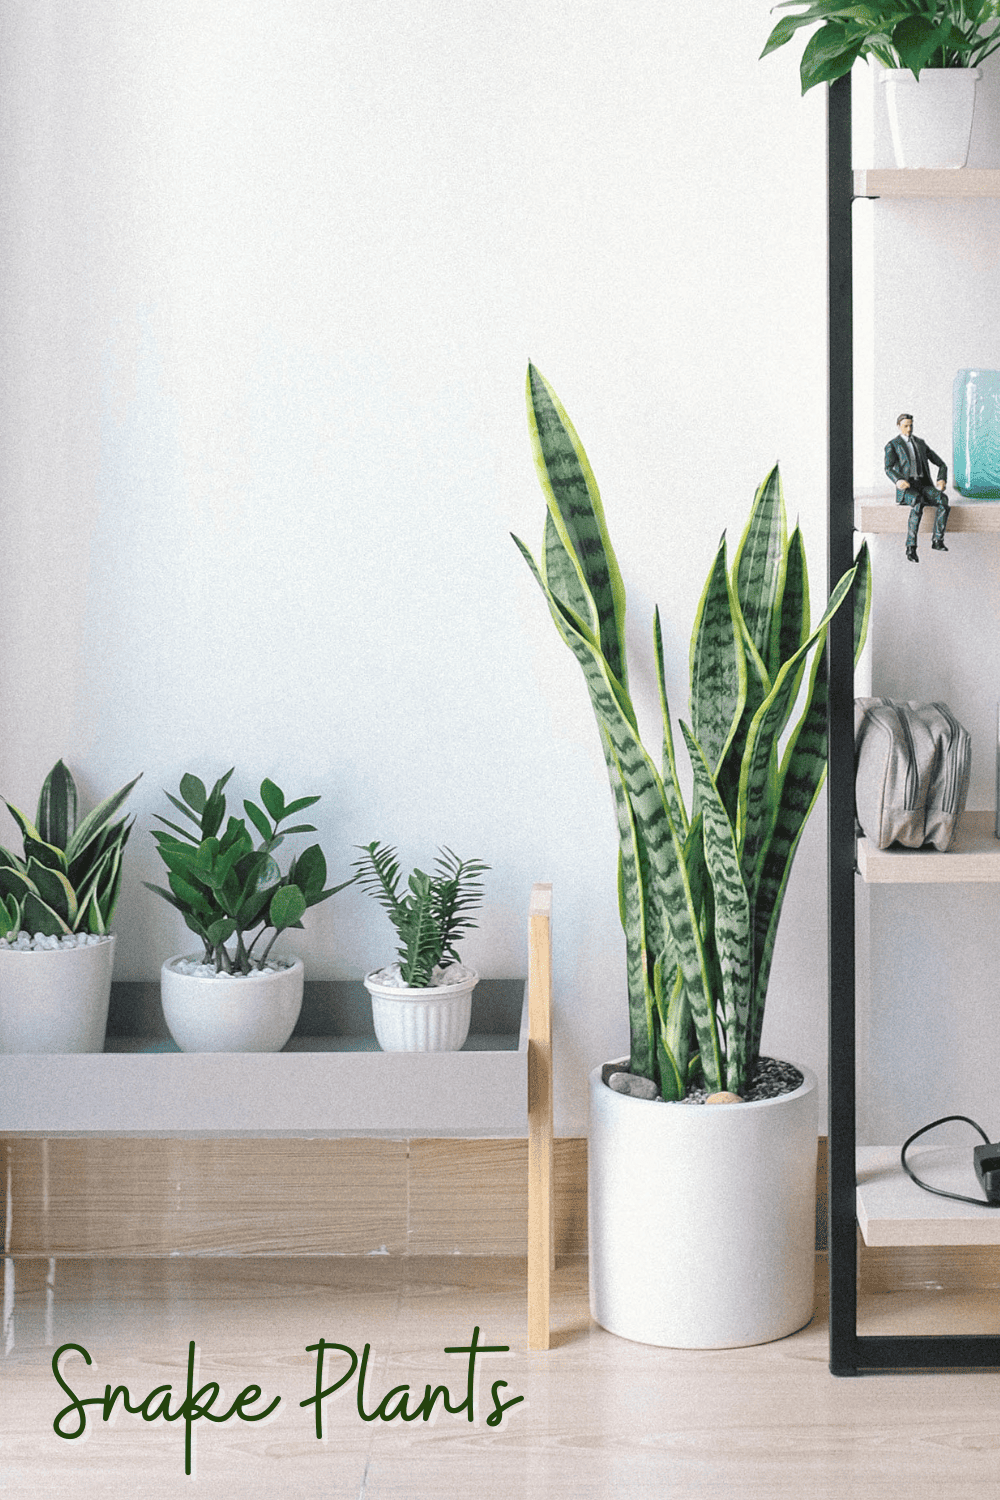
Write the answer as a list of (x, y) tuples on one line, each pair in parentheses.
[(320, 1085), (974, 856), (893, 1210), (924, 182), (876, 514)]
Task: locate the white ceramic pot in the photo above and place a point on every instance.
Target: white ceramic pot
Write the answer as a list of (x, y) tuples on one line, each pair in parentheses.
[(702, 1217), (55, 999), (433, 1019), (253, 1012), (930, 117)]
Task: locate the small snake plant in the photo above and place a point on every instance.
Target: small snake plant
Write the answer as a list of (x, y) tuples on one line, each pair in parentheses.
[(700, 892), (69, 877), (432, 914)]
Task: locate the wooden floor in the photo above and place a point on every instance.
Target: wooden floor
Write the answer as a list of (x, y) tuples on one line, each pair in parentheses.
[(600, 1417)]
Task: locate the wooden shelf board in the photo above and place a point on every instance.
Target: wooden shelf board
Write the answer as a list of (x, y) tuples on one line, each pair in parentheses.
[(876, 515), (893, 1210), (973, 856), (912, 182)]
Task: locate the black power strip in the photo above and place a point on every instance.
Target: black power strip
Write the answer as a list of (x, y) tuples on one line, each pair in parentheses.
[(985, 1159)]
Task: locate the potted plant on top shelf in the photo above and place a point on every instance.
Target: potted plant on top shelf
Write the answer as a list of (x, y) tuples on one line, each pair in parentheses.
[(930, 51), (57, 902), (423, 1002), (228, 888), (688, 1204)]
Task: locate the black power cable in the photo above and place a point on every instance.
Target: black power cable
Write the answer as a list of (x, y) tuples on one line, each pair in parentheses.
[(941, 1193)]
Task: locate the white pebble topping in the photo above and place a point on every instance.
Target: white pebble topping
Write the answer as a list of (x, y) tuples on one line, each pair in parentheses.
[(26, 942)]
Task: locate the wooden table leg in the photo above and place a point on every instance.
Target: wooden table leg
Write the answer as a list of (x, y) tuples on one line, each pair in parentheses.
[(541, 1242)]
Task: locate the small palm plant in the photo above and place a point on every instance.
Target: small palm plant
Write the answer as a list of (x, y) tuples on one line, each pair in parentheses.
[(700, 891), (433, 912), (69, 878)]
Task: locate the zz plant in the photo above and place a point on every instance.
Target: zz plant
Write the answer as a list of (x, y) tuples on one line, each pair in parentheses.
[(224, 885), (431, 914), (700, 891), (69, 877), (912, 34)]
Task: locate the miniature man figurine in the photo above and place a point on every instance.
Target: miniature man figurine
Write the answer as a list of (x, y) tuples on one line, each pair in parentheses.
[(906, 463)]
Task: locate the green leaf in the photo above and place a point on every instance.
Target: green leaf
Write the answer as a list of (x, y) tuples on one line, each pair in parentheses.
[(917, 38), (646, 795), (732, 929), (273, 799), (258, 818), (759, 572), (297, 806), (38, 916), (671, 783), (308, 872), (57, 807), (829, 54), (718, 665), (55, 890), (45, 854), (578, 514), (757, 790), (28, 829), (96, 820), (194, 793), (287, 907)]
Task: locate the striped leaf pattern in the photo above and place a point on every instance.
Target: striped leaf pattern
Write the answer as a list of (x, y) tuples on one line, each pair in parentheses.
[(666, 864), (732, 909), (718, 665), (576, 509), (671, 783), (699, 900), (757, 778), (759, 569)]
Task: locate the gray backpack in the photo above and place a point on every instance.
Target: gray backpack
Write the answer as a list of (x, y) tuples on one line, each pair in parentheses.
[(912, 763)]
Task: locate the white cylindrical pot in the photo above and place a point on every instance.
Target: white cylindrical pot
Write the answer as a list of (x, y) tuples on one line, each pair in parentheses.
[(702, 1217), (930, 117), (432, 1019), (253, 1012), (55, 999)]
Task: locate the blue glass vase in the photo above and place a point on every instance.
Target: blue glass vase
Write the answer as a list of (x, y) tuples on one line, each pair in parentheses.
[(976, 434)]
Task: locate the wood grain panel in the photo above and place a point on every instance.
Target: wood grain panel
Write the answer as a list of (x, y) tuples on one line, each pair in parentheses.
[(142, 1197)]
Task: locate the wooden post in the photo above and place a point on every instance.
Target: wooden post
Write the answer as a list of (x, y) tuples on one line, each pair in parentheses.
[(541, 1242)]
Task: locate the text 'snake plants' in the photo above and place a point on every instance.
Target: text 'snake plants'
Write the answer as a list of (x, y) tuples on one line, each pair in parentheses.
[(700, 888), (227, 886)]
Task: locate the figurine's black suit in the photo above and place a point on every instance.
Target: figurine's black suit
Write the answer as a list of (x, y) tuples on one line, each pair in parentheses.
[(920, 491)]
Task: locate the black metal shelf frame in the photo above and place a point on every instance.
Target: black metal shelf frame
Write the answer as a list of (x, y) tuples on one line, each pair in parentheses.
[(852, 1353)]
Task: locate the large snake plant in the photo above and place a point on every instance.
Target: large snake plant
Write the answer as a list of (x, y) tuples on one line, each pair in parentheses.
[(700, 892)]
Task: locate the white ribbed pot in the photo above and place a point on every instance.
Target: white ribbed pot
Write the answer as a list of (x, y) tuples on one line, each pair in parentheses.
[(930, 117), (253, 1012), (430, 1019), (55, 999), (702, 1217)]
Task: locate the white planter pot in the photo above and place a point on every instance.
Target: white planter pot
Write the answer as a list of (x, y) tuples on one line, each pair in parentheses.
[(434, 1019), (702, 1217), (930, 118), (55, 1000), (231, 1012)]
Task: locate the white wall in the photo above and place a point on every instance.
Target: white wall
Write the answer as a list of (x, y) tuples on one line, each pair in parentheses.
[(271, 273)]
